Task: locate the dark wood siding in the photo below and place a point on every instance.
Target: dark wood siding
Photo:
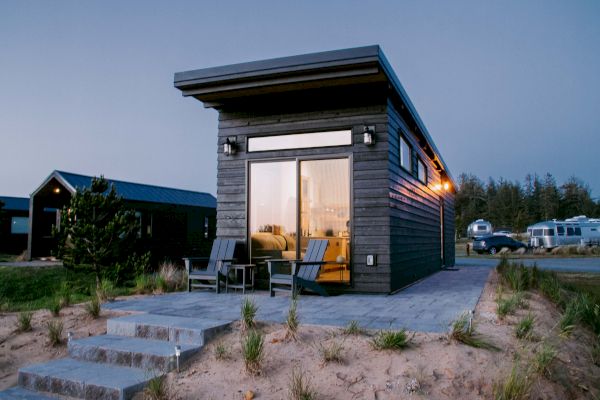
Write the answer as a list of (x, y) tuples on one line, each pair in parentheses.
[(415, 211), (370, 209)]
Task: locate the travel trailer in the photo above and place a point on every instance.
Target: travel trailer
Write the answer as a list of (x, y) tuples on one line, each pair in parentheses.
[(479, 228), (578, 230)]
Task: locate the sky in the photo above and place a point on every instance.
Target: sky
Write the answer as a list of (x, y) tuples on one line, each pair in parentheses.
[(504, 87)]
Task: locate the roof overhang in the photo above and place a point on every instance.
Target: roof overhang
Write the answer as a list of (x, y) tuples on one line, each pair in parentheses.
[(57, 176), (217, 86)]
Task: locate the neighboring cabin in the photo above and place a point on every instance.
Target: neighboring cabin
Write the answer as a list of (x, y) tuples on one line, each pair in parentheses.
[(14, 224), (173, 222), (328, 145)]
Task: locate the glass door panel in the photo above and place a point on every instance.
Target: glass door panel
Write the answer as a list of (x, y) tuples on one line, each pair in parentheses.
[(273, 209), (325, 213)]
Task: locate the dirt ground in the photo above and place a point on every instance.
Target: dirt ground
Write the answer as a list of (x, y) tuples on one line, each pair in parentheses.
[(432, 367), (20, 349)]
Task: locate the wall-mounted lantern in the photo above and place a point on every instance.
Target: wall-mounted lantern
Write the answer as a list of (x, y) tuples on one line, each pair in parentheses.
[(369, 135), (230, 146)]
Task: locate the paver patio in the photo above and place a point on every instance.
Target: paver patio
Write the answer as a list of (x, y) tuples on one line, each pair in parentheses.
[(429, 305)]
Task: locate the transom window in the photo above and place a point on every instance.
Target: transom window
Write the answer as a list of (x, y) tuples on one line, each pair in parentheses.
[(300, 141)]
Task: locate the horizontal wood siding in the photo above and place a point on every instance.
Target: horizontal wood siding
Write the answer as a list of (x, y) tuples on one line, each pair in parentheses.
[(415, 230), (370, 209)]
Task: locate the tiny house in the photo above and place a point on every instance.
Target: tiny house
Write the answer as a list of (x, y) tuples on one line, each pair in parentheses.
[(14, 223), (329, 146), (173, 222)]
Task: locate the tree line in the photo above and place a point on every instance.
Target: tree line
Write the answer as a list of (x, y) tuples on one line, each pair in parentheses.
[(514, 205)]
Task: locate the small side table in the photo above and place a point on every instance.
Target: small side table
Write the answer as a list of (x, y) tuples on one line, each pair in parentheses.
[(246, 269)]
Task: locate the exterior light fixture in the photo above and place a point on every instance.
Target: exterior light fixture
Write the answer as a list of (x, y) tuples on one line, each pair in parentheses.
[(177, 354), (230, 146), (437, 187), (56, 190), (446, 186), (369, 135)]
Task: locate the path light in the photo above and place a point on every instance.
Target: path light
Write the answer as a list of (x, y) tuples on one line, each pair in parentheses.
[(177, 354), (369, 135), (69, 336)]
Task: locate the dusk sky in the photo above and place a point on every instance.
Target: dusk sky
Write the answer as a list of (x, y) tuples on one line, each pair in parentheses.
[(504, 88)]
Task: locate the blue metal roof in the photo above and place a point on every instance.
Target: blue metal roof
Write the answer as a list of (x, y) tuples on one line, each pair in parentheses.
[(15, 203), (146, 193)]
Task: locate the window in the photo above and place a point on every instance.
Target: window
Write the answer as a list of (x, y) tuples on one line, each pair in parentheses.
[(19, 225), (570, 231), (548, 232), (577, 231), (421, 171), (560, 230), (538, 232), (405, 153), (300, 141), (482, 227)]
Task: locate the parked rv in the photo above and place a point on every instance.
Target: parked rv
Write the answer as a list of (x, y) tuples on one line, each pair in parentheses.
[(578, 230), (479, 228)]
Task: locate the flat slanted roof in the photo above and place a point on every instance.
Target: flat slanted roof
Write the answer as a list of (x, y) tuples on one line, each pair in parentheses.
[(138, 191), (15, 203), (215, 86)]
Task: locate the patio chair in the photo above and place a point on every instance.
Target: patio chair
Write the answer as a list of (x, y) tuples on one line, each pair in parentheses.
[(303, 272), (221, 256)]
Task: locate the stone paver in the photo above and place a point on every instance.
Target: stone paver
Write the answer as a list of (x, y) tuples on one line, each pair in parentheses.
[(429, 305)]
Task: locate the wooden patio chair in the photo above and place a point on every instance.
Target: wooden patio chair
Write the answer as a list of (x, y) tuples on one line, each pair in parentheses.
[(221, 256), (303, 273)]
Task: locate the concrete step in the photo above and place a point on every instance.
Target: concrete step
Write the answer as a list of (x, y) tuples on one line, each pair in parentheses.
[(18, 393), (182, 330), (84, 380), (130, 352)]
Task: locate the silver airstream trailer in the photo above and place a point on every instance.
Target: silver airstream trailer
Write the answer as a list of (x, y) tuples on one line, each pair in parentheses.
[(478, 228), (578, 230)]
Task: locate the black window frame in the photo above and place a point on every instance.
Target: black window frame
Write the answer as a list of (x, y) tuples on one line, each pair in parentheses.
[(402, 138), (425, 171)]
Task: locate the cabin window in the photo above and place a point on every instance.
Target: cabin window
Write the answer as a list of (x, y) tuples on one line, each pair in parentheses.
[(405, 154), (421, 171), (560, 230), (548, 232), (300, 141), (577, 231), (19, 225), (538, 232), (570, 231)]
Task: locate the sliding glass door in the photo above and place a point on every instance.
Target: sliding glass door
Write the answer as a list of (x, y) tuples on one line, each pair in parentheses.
[(278, 216)]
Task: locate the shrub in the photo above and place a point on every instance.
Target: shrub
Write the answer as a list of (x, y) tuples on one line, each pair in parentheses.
[(156, 389), (93, 307), (144, 283), (390, 340), (299, 386), (24, 321), (253, 351), (516, 386), (55, 332), (543, 358), (54, 306), (331, 352), (463, 330), (292, 321), (524, 328), (248, 311), (354, 328)]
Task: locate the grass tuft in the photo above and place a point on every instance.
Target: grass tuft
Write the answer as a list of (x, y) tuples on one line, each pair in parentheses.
[(463, 330), (24, 321), (354, 328), (570, 317), (299, 386), (524, 327), (106, 291), (543, 358), (248, 312), (156, 389), (55, 306), (221, 352), (331, 352), (55, 332), (390, 340), (516, 386), (144, 284), (65, 294), (93, 308), (253, 351), (292, 322)]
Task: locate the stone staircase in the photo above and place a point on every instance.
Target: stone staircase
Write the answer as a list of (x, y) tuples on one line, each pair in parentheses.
[(136, 349)]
